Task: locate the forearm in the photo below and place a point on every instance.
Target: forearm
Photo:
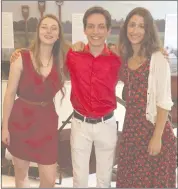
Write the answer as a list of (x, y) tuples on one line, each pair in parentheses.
[(162, 116), (120, 101), (7, 108)]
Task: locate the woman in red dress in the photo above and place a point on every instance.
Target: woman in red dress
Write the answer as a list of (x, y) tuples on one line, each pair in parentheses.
[(147, 150), (30, 122)]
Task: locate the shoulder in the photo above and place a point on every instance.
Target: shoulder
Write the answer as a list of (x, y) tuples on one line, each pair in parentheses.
[(72, 53), (116, 57), (25, 53), (159, 60), (17, 63)]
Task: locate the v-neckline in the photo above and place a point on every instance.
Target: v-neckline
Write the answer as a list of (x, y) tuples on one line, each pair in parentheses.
[(41, 76)]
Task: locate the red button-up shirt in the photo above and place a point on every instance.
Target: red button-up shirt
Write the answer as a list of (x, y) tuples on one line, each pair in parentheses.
[(93, 81)]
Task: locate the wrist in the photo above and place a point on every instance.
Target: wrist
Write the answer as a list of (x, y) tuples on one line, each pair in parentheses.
[(157, 134)]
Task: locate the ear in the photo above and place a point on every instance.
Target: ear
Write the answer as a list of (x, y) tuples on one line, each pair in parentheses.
[(109, 31)]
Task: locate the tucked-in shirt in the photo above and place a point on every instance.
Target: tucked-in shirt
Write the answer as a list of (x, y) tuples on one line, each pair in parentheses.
[(159, 86), (93, 81)]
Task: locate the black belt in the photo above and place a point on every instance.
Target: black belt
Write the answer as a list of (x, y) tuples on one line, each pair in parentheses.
[(92, 120)]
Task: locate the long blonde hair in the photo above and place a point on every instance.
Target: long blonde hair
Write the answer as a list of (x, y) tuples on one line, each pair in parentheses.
[(58, 51)]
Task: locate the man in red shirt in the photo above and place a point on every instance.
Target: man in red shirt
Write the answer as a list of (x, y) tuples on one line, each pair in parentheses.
[(94, 75)]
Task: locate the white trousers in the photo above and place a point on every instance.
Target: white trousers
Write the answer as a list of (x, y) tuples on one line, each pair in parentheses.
[(104, 137)]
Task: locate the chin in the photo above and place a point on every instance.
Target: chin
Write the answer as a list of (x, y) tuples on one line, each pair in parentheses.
[(48, 42), (135, 42), (95, 44)]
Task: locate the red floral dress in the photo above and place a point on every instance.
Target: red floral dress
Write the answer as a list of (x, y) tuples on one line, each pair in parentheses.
[(136, 168), (33, 128)]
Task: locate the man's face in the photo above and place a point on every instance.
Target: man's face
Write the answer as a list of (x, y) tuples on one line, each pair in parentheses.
[(96, 30)]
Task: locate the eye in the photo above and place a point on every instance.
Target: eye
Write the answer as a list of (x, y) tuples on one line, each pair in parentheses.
[(54, 29), (142, 26), (102, 26), (43, 27), (90, 26), (132, 24)]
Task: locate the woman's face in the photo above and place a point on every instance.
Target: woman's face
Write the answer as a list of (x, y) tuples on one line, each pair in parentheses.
[(136, 29), (48, 31)]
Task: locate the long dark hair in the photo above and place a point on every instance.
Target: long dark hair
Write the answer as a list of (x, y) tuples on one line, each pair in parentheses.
[(150, 43)]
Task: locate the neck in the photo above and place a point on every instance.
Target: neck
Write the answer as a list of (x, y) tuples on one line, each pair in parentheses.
[(45, 51), (136, 49), (96, 50)]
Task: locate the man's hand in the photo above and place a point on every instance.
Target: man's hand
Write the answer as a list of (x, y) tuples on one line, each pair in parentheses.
[(15, 55), (165, 54), (78, 46)]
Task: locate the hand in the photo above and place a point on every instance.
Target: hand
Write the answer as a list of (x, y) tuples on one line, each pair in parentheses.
[(78, 46), (5, 136), (154, 146), (165, 54), (15, 55), (114, 49)]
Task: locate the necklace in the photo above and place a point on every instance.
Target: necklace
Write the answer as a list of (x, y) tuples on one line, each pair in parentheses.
[(45, 66)]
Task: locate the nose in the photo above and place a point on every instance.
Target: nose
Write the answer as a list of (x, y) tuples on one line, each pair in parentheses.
[(48, 30), (136, 29), (95, 30)]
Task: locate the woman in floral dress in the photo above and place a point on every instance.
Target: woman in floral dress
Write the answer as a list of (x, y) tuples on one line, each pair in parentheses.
[(147, 150)]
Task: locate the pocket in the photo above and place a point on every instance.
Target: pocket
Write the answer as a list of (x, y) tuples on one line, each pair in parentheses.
[(111, 121)]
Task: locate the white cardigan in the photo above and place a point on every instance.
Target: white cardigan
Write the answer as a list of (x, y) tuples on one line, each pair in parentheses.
[(159, 86)]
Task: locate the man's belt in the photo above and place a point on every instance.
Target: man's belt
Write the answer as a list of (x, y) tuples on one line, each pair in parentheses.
[(92, 120)]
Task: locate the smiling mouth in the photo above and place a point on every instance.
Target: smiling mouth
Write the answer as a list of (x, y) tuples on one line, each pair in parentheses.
[(48, 37), (135, 37), (95, 38)]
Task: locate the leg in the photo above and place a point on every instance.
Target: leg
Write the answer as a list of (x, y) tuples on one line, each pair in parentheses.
[(105, 145), (47, 175), (81, 145), (21, 172)]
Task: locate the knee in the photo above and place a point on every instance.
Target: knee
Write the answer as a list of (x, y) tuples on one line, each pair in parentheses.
[(20, 173), (48, 181)]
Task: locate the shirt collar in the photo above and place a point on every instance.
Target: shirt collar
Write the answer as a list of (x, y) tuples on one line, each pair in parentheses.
[(104, 52)]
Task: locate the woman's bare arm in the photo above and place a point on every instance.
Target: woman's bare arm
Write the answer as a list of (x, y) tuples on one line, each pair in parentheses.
[(14, 77)]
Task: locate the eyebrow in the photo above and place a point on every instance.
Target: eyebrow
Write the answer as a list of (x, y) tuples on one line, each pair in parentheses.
[(135, 22), (94, 24), (46, 25)]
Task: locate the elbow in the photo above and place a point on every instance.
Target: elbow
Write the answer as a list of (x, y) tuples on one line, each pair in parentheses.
[(9, 96), (165, 105)]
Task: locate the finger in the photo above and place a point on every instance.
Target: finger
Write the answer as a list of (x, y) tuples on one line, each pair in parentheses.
[(154, 153), (150, 152), (4, 141)]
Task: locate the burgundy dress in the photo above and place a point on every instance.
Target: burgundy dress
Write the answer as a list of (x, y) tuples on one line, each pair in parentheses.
[(32, 127), (136, 168)]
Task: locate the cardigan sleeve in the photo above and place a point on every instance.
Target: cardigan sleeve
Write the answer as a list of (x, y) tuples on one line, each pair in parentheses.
[(163, 82)]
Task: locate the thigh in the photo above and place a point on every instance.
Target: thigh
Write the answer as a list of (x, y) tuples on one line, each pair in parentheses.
[(105, 135), (81, 144), (81, 135), (20, 163)]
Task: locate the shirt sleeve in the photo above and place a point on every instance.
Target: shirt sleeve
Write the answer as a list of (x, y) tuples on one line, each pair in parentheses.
[(163, 82)]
